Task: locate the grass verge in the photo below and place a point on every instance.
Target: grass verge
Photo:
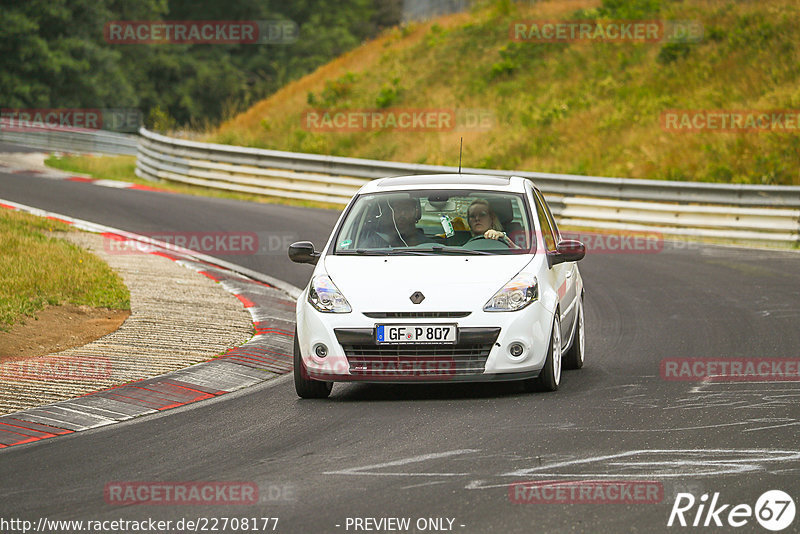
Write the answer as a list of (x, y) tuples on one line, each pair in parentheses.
[(589, 107), (37, 269)]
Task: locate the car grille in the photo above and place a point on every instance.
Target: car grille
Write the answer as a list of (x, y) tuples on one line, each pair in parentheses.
[(417, 315), (417, 361)]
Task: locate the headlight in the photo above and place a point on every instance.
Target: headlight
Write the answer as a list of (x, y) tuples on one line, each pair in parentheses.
[(515, 295), (326, 297)]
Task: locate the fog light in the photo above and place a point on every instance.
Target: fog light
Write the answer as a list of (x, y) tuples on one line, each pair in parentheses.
[(516, 349), (320, 350)]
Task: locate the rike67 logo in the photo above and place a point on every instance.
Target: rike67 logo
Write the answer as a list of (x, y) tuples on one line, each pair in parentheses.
[(774, 510)]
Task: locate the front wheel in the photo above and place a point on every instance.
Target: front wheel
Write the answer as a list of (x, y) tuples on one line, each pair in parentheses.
[(573, 359), (303, 385), (550, 376)]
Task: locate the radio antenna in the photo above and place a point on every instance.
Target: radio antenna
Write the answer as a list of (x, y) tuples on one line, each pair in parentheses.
[(460, 150)]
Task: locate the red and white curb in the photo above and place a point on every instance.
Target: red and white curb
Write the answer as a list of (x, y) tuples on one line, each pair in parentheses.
[(116, 184), (267, 355), (56, 174)]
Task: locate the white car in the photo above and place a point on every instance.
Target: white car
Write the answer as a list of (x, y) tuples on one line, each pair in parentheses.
[(440, 278)]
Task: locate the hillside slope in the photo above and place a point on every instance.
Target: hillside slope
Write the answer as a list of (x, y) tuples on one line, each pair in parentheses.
[(586, 107)]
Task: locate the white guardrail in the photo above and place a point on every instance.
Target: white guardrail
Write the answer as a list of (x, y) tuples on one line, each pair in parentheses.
[(692, 209), (726, 211), (72, 140)]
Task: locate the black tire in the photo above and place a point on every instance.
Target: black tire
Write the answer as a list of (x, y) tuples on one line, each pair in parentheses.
[(304, 386), (550, 376), (574, 357)]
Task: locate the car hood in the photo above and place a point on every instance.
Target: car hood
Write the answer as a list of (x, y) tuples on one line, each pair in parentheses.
[(449, 283)]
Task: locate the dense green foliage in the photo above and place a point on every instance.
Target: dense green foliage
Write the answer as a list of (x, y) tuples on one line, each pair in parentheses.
[(53, 54)]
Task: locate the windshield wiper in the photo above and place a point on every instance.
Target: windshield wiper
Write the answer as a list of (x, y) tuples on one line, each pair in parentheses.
[(383, 252), (364, 252), (409, 251), (412, 251), (458, 250)]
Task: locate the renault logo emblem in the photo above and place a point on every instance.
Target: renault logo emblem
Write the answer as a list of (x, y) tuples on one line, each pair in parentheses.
[(417, 297)]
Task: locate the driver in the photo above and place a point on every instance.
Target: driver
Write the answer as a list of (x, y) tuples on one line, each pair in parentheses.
[(403, 231), (483, 222)]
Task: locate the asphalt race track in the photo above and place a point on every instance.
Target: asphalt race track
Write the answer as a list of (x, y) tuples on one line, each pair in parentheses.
[(451, 451)]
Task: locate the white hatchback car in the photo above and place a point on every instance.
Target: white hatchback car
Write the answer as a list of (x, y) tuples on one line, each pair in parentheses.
[(440, 278)]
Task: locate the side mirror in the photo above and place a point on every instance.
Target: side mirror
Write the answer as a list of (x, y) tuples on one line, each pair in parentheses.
[(303, 252), (568, 250)]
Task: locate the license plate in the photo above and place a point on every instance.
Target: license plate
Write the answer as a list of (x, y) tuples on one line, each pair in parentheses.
[(416, 333)]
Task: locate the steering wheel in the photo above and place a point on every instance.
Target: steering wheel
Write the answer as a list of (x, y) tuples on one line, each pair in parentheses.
[(493, 244)]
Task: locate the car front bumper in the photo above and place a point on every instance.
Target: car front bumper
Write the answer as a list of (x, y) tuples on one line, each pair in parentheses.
[(480, 354)]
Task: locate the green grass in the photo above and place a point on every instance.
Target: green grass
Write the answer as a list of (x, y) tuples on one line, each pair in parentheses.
[(106, 167), (584, 108), (37, 269), (122, 168)]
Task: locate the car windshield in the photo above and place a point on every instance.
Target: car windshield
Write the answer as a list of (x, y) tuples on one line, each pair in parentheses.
[(436, 222)]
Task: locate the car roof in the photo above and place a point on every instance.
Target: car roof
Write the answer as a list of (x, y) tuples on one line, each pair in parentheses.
[(446, 181)]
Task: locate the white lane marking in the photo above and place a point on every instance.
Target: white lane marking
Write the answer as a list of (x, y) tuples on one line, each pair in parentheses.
[(431, 483), (663, 464), (707, 463), (769, 427), (742, 395), (752, 395), (368, 469), (749, 460), (785, 421), (741, 386)]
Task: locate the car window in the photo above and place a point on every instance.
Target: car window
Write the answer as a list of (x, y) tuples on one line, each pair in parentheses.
[(547, 229), (435, 221), (549, 215)]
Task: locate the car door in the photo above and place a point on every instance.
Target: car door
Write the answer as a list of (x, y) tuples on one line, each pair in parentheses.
[(570, 309), (557, 273)]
